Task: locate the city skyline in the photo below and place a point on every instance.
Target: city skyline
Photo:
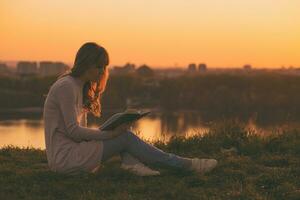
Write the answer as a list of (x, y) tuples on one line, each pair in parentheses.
[(13, 64), (157, 33)]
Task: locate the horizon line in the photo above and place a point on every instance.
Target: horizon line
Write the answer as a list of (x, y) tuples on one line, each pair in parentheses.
[(70, 64)]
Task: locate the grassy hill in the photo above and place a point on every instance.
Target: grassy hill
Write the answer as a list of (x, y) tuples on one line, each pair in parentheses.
[(255, 167)]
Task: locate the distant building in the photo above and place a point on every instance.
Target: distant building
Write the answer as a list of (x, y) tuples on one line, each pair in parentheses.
[(128, 68), (192, 67), (202, 67), (145, 71), (48, 68), (247, 67), (25, 68)]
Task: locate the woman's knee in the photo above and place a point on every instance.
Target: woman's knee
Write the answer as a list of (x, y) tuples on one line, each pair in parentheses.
[(130, 135), (126, 137)]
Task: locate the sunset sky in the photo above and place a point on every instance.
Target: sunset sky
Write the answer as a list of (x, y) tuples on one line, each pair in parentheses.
[(160, 33)]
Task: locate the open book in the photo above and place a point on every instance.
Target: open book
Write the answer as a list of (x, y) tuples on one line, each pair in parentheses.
[(129, 115)]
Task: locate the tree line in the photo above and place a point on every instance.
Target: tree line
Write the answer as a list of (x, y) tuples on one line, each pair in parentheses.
[(262, 95)]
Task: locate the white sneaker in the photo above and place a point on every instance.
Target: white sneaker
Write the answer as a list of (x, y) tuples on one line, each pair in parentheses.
[(140, 170), (203, 165)]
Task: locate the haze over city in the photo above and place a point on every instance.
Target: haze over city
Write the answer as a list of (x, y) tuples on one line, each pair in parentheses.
[(263, 33)]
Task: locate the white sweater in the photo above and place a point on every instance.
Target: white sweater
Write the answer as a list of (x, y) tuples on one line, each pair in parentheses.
[(71, 146)]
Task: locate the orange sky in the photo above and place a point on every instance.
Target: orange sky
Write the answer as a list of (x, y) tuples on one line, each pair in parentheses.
[(264, 33)]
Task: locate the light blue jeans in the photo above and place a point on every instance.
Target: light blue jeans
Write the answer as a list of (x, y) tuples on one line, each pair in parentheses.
[(133, 150)]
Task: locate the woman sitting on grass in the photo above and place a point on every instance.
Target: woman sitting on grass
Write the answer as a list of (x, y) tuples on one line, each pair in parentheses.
[(72, 147)]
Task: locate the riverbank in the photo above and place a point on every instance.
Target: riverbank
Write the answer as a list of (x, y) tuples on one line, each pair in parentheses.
[(250, 167)]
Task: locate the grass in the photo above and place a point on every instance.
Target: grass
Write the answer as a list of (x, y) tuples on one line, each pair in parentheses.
[(256, 168)]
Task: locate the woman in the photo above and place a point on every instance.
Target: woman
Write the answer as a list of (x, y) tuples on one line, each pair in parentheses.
[(72, 147)]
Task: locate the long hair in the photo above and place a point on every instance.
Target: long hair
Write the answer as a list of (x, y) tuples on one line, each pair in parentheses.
[(91, 54)]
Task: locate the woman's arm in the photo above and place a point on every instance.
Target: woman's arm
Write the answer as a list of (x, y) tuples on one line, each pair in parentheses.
[(67, 104)]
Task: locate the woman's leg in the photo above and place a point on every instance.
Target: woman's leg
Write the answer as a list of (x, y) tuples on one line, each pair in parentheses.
[(131, 144)]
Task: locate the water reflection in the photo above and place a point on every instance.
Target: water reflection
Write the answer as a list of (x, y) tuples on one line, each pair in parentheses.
[(164, 126), (22, 133), (156, 126)]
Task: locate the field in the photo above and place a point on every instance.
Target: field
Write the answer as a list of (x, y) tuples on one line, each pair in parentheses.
[(250, 167)]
